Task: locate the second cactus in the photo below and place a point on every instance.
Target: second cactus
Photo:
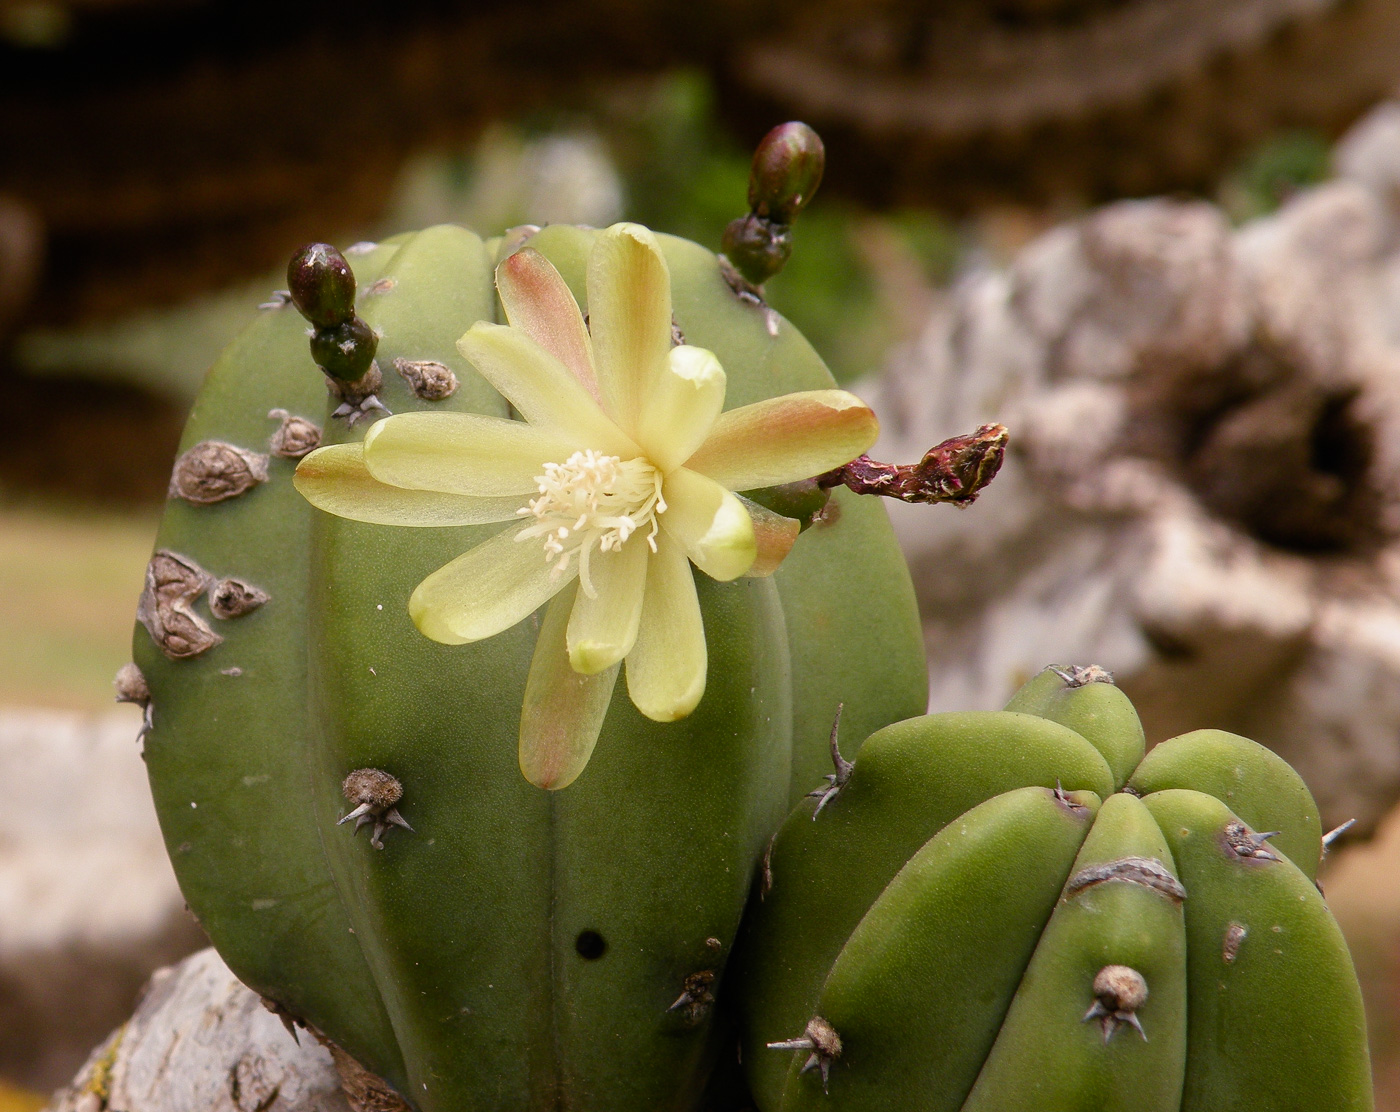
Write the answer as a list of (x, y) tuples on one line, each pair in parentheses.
[(1017, 910)]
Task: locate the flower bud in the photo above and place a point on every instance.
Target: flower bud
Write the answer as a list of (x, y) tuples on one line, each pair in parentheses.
[(757, 247), (345, 351), (322, 285), (787, 168)]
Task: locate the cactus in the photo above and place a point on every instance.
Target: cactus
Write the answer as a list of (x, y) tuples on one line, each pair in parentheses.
[(1017, 909), (488, 944)]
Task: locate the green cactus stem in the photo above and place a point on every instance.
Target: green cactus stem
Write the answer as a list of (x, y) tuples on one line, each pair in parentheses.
[(979, 940), (519, 949)]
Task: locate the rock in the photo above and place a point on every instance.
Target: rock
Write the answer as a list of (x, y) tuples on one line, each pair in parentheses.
[(88, 902), (202, 1041)]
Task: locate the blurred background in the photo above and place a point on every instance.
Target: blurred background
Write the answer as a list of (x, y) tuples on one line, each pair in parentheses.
[(1203, 389)]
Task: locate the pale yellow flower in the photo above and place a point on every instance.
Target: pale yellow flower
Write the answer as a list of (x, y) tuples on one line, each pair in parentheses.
[(620, 476)]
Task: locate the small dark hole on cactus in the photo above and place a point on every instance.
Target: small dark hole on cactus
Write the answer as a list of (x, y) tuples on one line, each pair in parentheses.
[(590, 945)]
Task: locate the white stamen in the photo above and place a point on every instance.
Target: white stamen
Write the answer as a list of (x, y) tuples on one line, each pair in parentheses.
[(592, 501)]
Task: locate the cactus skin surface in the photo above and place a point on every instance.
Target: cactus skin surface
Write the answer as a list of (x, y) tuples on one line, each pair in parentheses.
[(518, 949), (1150, 953)]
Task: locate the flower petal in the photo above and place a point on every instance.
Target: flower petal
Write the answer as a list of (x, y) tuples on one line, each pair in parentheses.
[(783, 439), (541, 388), (603, 627), (684, 401), (710, 523), (335, 479), (564, 710), (666, 668), (629, 315), (538, 301), (774, 534), (485, 590), (462, 453)]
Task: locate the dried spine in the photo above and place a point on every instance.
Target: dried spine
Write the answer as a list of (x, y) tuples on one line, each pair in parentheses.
[(1241, 842), (428, 379), (835, 781), (295, 437), (1119, 991), (1230, 946), (697, 996), (232, 598), (213, 471), (1145, 871), (1081, 675), (173, 583), (131, 687), (821, 1039), (374, 793)]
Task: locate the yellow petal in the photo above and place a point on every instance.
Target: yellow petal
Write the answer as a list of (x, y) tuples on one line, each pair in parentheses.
[(564, 710), (603, 627), (335, 479), (485, 590), (710, 523), (541, 388), (783, 439), (538, 301), (666, 667), (684, 401), (462, 453), (774, 535), (629, 315)]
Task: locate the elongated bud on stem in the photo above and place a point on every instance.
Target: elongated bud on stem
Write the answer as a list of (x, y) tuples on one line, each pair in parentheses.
[(322, 285), (954, 471), (787, 168)]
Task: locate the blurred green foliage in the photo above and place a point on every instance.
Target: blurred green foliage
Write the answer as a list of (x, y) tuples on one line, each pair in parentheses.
[(1273, 171)]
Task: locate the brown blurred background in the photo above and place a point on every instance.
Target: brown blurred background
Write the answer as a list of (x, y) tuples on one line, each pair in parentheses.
[(159, 159)]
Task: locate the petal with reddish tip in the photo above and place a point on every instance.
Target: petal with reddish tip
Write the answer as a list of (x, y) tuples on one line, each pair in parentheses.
[(463, 453), (666, 667), (603, 625), (564, 710), (541, 388), (783, 439), (335, 479), (629, 316), (684, 402), (710, 523), (774, 536), (486, 589), (539, 302)]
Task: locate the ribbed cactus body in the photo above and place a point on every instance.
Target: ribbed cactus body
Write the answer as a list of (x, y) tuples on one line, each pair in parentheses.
[(517, 949), (1000, 911)]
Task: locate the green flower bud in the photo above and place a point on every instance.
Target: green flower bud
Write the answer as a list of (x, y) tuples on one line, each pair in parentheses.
[(787, 168), (322, 285), (345, 351), (757, 247)]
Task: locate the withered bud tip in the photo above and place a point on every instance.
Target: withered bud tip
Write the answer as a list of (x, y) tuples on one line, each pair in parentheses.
[(955, 471), (130, 683)]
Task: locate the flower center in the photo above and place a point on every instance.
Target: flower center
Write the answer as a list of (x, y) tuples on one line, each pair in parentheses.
[(592, 501)]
